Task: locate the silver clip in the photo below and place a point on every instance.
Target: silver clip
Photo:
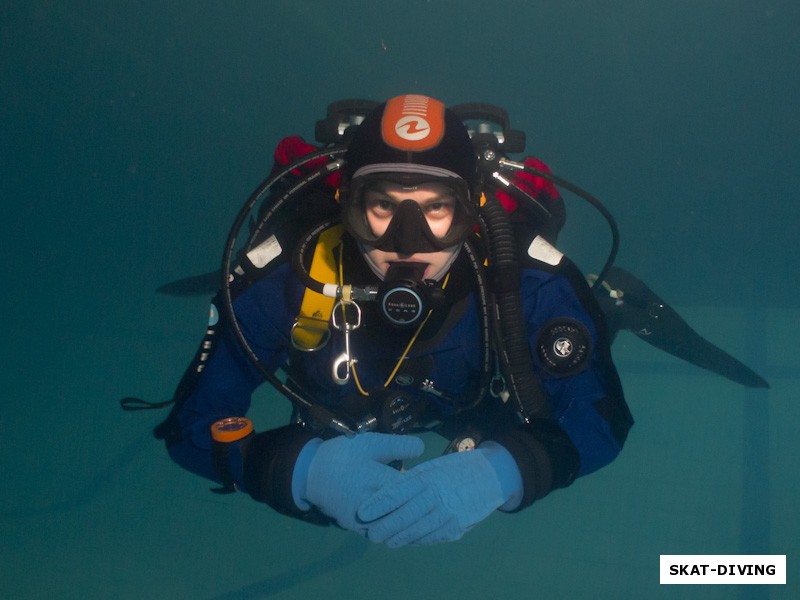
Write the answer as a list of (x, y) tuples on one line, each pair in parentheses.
[(343, 365)]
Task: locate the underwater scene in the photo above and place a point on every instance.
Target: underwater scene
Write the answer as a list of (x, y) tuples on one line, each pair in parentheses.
[(132, 134)]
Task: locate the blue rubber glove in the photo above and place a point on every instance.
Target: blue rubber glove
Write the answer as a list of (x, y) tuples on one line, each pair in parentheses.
[(443, 498), (337, 475)]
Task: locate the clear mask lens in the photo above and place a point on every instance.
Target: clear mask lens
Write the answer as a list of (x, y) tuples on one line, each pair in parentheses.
[(409, 213)]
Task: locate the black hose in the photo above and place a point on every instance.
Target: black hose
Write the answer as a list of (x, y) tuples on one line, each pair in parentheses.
[(298, 256), (300, 185), (257, 195), (484, 318), (318, 412), (512, 335), (612, 223)]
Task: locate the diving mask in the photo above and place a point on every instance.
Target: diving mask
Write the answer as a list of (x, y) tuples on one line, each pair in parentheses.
[(408, 226)]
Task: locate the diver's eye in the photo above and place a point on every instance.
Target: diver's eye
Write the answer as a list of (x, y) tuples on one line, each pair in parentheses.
[(439, 209), (386, 205), (381, 206)]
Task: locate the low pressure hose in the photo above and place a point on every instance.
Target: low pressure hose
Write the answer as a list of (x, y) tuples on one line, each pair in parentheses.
[(599, 206), (298, 256), (318, 412), (522, 382)]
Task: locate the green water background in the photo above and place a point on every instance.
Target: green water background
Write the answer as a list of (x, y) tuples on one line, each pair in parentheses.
[(131, 133)]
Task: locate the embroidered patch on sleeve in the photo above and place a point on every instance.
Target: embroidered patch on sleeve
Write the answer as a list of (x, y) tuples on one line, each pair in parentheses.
[(563, 347)]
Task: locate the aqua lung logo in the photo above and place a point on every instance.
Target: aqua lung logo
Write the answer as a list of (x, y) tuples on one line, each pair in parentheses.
[(562, 347), (413, 123), (401, 306), (412, 128)]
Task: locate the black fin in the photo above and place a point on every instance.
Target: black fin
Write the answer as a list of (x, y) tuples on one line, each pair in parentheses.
[(641, 311)]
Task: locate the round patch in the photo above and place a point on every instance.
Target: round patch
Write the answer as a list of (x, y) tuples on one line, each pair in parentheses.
[(563, 347), (402, 306)]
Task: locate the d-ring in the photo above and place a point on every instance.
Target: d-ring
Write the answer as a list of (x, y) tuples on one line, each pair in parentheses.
[(339, 316), (305, 330)]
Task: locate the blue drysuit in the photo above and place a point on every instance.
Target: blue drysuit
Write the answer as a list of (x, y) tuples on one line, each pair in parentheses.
[(571, 357)]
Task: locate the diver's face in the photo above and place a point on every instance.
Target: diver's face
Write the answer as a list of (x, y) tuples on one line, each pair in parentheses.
[(435, 200), (437, 204)]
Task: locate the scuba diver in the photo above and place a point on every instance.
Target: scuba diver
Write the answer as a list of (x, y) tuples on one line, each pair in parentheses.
[(405, 279), (628, 304)]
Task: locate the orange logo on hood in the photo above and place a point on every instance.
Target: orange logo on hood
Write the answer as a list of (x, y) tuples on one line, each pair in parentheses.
[(413, 123)]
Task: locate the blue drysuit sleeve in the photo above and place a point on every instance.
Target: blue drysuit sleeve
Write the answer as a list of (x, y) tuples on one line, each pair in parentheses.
[(585, 399), (265, 313)]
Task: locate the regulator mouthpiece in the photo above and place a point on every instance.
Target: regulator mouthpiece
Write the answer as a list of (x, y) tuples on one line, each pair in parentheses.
[(403, 298)]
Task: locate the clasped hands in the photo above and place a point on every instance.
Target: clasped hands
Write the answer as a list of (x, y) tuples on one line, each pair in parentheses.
[(350, 480)]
